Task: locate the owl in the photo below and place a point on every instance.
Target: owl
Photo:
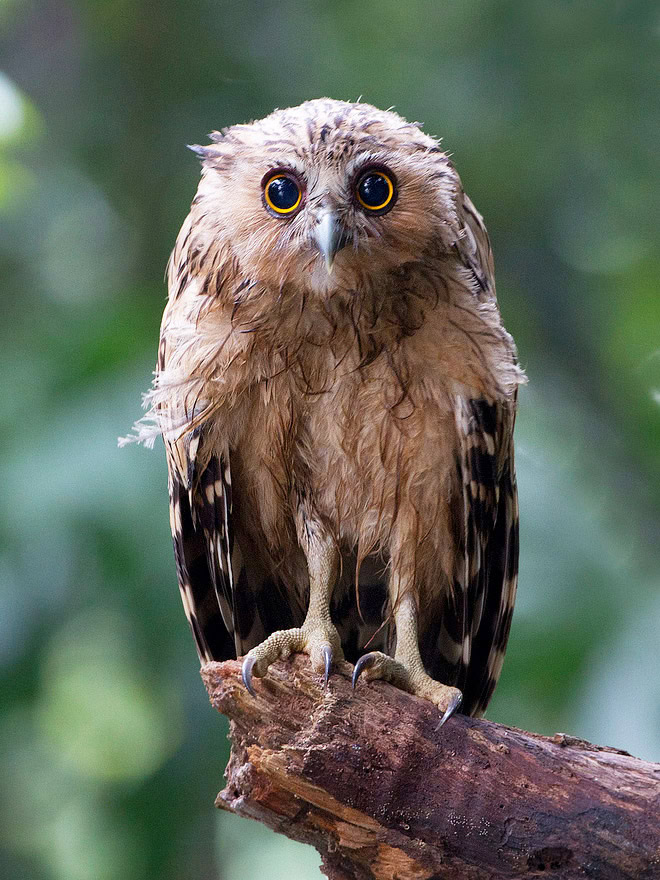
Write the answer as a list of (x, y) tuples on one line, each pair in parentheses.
[(337, 393)]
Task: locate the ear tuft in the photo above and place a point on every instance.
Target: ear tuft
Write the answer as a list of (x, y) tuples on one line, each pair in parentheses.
[(202, 152)]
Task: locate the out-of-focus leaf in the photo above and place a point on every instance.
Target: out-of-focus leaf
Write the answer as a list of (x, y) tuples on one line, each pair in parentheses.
[(101, 713)]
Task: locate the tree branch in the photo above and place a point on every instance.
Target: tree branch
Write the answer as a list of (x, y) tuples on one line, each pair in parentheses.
[(367, 779)]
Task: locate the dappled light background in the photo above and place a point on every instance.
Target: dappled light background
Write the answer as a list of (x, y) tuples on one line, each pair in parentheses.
[(111, 755)]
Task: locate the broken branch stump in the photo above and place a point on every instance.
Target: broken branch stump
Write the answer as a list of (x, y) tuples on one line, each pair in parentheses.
[(367, 779)]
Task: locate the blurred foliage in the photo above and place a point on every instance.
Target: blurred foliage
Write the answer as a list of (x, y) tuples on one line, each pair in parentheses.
[(111, 754)]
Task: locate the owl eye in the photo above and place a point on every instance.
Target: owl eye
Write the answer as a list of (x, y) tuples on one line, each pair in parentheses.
[(375, 191), (282, 193)]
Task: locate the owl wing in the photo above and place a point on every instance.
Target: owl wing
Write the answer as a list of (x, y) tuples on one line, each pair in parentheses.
[(231, 599), (200, 519), (486, 516), (199, 488), (468, 646)]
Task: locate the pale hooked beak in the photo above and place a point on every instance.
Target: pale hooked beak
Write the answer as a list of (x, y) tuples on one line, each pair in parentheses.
[(330, 237)]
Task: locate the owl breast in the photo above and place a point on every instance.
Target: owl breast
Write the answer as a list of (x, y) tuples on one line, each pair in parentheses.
[(370, 455)]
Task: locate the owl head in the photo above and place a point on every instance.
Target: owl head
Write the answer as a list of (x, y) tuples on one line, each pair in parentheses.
[(328, 195)]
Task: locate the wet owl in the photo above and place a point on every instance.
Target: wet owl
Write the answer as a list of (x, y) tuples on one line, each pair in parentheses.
[(337, 393)]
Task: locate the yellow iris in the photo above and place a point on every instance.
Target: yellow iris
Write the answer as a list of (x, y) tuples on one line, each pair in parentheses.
[(282, 194), (370, 190)]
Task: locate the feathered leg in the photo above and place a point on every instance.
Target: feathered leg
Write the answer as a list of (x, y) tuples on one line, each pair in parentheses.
[(318, 635)]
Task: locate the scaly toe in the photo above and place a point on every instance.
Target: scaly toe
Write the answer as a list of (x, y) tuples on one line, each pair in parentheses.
[(412, 679), (323, 649), (322, 645), (375, 664), (278, 646)]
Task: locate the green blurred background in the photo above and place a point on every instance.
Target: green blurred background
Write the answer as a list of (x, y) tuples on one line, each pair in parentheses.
[(111, 755)]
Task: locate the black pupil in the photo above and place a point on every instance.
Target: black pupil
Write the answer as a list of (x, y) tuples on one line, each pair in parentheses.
[(283, 192), (373, 190)]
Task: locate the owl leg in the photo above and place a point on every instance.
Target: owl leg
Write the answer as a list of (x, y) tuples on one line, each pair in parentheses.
[(406, 669), (318, 635)]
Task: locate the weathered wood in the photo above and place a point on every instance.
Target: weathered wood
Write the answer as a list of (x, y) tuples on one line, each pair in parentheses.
[(367, 779)]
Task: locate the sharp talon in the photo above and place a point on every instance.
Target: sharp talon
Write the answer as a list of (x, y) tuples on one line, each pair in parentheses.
[(364, 662), (246, 673), (454, 703), (326, 650)]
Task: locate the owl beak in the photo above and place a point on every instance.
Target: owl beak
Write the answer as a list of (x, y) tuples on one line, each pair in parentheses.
[(330, 237)]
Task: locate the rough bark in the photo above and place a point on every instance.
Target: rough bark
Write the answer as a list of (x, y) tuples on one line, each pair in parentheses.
[(367, 779)]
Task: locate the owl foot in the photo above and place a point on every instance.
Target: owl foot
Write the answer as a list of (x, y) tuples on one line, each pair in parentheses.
[(319, 640), (411, 678)]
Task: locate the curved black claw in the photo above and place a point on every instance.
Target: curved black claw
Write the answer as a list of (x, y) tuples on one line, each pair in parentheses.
[(246, 673), (364, 662), (326, 650), (454, 703)]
